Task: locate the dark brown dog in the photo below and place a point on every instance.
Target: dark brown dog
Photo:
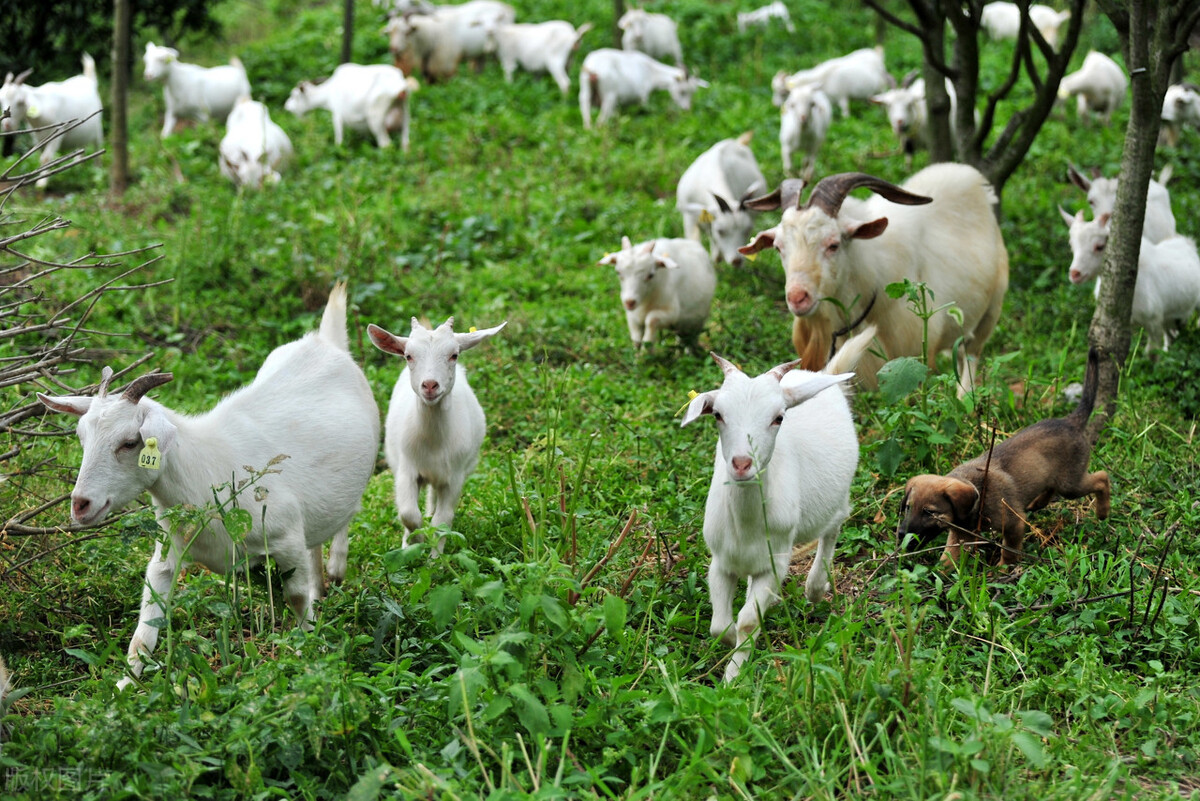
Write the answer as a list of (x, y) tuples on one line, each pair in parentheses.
[(1025, 472)]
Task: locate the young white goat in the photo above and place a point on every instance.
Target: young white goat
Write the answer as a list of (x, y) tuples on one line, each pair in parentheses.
[(435, 425), (804, 123), (371, 98), (55, 104), (308, 419), (1002, 20), (628, 76), (254, 148), (1181, 105), (1098, 86), (781, 477), (191, 91), (908, 114), (1159, 222), (855, 76), (712, 192), (656, 35), (761, 17), (542, 47), (665, 284), (435, 38), (1167, 291)]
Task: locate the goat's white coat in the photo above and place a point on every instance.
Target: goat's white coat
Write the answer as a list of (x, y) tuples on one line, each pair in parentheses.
[(191, 91), (436, 38), (785, 459), (1167, 291), (435, 424), (621, 77), (715, 187), (309, 402), (762, 16), (541, 47), (1181, 106), (656, 35), (908, 114), (254, 149), (1159, 222), (1002, 20), (52, 104), (804, 123), (855, 76), (372, 98), (1098, 86), (953, 245), (665, 284)]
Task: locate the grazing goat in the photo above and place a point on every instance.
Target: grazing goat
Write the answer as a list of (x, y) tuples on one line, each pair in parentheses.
[(761, 17), (854, 76), (1098, 86), (191, 91), (656, 35), (665, 284), (1003, 21), (372, 98), (611, 77), (804, 123), (543, 47), (308, 420), (435, 38), (1181, 105), (713, 191), (1167, 290), (908, 114), (785, 458), (254, 148), (1159, 222), (848, 251), (53, 105), (435, 425)]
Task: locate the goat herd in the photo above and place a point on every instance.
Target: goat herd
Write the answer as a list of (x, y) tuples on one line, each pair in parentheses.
[(938, 228)]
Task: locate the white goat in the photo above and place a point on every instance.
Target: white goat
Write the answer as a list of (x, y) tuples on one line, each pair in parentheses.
[(372, 98), (846, 250), (761, 17), (1003, 21), (712, 192), (435, 425), (665, 284), (781, 477), (542, 47), (854, 76), (908, 114), (436, 38), (804, 123), (1159, 222), (254, 148), (656, 35), (309, 404), (52, 105), (619, 77), (1167, 291), (191, 91), (1181, 105), (1098, 86)]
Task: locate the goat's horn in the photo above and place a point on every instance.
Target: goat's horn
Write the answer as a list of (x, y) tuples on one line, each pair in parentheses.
[(21, 78), (143, 384), (726, 366), (780, 370), (787, 194), (105, 376), (830, 191)]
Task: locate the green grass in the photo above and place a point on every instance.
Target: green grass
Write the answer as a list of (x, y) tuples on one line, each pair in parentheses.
[(510, 666)]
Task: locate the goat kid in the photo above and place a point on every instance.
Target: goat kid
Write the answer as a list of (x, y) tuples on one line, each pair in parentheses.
[(610, 77), (665, 284), (370, 98), (254, 149), (191, 91), (712, 194)]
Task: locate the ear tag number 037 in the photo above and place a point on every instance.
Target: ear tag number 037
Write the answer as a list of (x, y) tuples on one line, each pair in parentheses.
[(150, 458)]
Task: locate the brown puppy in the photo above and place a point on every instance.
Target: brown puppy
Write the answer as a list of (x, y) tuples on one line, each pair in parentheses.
[(1025, 472)]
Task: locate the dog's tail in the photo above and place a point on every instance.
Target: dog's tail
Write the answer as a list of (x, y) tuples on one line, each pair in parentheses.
[(1091, 380)]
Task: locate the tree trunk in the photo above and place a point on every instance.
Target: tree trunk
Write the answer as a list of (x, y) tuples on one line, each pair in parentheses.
[(618, 12), (117, 118), (347, 32)]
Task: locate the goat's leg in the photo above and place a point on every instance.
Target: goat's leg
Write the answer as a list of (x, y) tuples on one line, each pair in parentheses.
[(156, 596), (443, 500), (339, 553), (761, 594), (721, 587), (408, 505), (817, 584)]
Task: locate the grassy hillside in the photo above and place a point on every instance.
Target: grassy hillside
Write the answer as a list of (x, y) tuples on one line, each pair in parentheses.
[(545, 653)]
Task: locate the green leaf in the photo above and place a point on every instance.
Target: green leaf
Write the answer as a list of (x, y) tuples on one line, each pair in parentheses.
[(443, 603), (1031, 747), (1150, 748), (900, 377), (895, 291), (85, 656), (530, 710), (554, 612), (888, 456), (370, 784), (614, 616), (237, 522), (1037, 722), (981, 765)]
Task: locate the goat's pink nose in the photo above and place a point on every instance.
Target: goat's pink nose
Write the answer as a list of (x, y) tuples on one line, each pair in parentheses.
[(80, 507), (799, 300), (630, 304), (429, 387), (742, 464), (1076, 276)]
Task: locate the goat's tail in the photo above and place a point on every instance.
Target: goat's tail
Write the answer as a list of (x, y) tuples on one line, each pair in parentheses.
[(89, 67), (579, 33), (851, 352), (234, 61), (1091, 381), (333, 321)]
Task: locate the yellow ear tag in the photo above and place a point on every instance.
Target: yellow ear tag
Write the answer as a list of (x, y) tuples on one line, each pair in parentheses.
[(149, 457), (692, 394), (706, 217), (473, 329), (32, 111)]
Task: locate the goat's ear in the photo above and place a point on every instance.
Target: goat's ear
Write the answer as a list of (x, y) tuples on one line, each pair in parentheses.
[(1104, 218), (608, 258), (156, 424), (722, 203), (386, 341), (751, 192), (701, 404), (1076, 177), (473, 338), (67, 404), (797, 392), (665, 260), (963, 497), (867, 230), (765, 239)]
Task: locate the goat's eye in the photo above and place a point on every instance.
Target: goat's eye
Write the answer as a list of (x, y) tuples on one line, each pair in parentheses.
[(717, 416), (649, 276), (407, 358), (1098, 248), (833, 248), (130, 444), (453, 357), (778, 421)]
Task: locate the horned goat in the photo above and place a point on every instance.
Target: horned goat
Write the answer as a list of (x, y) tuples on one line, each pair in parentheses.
[(1159, 222)]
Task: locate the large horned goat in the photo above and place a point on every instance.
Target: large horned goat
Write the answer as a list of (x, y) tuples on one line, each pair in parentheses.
[(938, 229)]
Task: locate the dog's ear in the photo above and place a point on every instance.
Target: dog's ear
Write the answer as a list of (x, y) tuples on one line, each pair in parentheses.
[(902, 527), (963, 497)]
